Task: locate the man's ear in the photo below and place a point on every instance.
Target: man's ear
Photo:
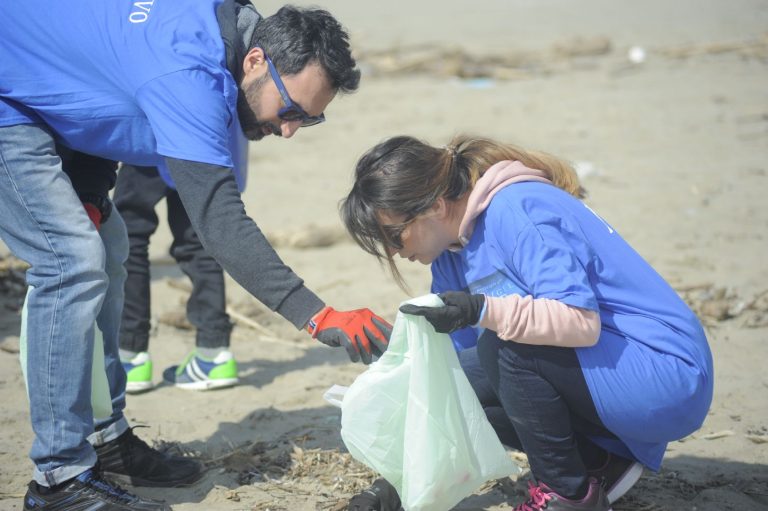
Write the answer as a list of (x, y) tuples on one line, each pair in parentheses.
[(254, 62)]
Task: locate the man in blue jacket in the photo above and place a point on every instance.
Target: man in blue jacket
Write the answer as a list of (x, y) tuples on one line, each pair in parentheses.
[(149, 83)]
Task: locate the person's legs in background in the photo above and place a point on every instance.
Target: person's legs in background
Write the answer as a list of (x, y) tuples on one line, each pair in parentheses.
[(212, 365), (137, 192)]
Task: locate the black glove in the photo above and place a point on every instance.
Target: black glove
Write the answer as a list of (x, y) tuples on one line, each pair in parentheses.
[(381, 496), (101, 203), (461, 309)]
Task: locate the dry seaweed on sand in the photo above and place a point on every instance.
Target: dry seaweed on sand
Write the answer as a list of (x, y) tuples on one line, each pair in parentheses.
[(457, 62), (13, 284), (281, 468), (714, 304)]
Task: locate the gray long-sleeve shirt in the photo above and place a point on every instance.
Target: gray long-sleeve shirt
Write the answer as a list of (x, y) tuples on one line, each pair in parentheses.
[(210, 196)]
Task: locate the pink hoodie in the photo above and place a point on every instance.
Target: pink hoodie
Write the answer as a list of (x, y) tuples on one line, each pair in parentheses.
[(525, 319)]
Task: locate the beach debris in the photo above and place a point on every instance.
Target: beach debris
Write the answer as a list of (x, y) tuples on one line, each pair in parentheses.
[(636, 54), (581, 46), (10, 344), (244, 314), (443, 61), (479, 83), (757, 47), (232, 495), (309, 236), (714, 304), (13, 284), (285, 466), (718, 434), (240, 318), (757, 435), (176, 318)]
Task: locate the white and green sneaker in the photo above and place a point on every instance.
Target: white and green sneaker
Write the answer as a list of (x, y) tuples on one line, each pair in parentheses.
[(139, 371), (197, 373)]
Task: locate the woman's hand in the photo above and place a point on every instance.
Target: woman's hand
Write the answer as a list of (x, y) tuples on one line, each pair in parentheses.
[(461, 309)]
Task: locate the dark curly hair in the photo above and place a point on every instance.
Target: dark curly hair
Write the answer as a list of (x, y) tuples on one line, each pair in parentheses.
[(294, 37)]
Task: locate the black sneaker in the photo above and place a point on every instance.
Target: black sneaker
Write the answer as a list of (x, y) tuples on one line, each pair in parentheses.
[(381, 496), (87, 492), (129, 460), (617, 476)]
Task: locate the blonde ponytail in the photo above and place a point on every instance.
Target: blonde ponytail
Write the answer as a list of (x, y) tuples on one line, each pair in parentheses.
[(478, 154)]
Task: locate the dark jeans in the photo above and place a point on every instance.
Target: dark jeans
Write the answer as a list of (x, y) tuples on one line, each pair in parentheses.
[(537, 401), (137, 192)]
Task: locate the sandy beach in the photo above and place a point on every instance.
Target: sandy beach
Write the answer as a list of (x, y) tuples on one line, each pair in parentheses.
[(662, 107)]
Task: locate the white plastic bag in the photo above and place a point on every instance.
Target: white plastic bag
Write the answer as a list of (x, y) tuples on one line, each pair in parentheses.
[(414, 418), (101, 401)]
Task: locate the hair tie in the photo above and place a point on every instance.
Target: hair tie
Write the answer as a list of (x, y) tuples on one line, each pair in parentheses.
[(451, 149)]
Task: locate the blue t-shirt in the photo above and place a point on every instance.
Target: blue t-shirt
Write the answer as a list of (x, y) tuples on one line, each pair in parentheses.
[(127, 81), (650, 373)]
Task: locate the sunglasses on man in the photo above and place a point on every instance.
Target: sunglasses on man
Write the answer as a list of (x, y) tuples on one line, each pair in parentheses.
[(292, 111)]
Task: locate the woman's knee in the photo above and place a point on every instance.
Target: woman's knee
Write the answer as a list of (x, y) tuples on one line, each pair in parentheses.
[(491, 349)]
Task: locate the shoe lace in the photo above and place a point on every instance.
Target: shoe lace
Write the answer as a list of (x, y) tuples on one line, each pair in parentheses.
[(186, 361), (108, 490), (538, 497)]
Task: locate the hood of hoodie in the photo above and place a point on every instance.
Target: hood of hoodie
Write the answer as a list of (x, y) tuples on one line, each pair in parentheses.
[(237, 21), (498, 176)]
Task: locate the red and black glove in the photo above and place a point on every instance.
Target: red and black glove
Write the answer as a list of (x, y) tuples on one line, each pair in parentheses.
[(93, 213), (361, 332), (97, 206)]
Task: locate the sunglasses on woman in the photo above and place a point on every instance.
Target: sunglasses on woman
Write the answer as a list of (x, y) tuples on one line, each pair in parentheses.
[(292, 111)]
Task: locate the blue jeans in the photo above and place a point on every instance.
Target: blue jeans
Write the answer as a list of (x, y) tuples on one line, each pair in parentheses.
[(76, 274), (538, 402)]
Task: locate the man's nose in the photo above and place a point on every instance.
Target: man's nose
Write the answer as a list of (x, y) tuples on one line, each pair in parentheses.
[(288, 128)]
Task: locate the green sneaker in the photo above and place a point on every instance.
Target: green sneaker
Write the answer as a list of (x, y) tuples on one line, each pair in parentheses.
[(139, 371), (196, 373)]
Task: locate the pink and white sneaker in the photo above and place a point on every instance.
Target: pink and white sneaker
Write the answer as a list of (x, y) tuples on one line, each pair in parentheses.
[(542, 497)]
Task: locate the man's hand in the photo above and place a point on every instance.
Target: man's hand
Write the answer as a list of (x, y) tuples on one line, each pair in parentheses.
[(97, 206), (360, 331), (93, 213), (460, 310)]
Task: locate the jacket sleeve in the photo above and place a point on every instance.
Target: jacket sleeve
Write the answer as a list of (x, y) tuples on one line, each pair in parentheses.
[(212, 201), (540, 321)]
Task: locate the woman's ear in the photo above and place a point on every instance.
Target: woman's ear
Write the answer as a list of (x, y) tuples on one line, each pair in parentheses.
[(439, 209)]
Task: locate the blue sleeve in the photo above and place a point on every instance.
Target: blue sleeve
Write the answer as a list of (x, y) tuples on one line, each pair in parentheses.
[(550, 265), (446, 277), (189, 116)]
